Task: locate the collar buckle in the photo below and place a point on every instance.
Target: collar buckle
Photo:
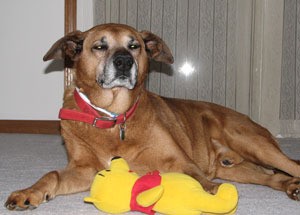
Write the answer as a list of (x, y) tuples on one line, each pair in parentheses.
[(104, 118)]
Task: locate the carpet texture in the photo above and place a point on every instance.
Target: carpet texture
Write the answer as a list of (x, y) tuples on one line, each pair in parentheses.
[(24, 158)]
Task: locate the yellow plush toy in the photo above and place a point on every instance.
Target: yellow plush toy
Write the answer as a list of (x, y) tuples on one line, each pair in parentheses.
[(119, 190)]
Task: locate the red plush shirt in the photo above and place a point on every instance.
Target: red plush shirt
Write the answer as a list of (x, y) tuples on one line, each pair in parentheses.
[(144, 183)]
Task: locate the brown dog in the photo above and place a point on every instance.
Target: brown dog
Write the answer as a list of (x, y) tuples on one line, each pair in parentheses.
[(201, 139)]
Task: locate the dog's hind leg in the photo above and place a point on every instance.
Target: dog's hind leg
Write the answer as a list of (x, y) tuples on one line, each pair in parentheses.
[(249, 140), (194, 171), (255, 162), (247, 172), (264, 150)]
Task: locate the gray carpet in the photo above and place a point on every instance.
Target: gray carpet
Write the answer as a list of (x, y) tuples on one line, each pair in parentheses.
[(25, 158)]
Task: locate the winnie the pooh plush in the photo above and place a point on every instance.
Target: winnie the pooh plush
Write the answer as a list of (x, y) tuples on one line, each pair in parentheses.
[(119, 190)]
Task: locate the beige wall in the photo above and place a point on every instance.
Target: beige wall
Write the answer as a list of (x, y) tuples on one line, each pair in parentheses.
[(30, 88)]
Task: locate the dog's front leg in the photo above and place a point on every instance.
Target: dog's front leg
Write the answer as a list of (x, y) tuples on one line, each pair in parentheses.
[(70, 180)]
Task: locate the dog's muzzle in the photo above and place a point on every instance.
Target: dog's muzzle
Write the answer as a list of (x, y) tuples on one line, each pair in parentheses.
[(120, 71)]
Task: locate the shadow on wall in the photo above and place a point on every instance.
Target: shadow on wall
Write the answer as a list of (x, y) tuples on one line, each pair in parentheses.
[(161, 67), (54, 66)]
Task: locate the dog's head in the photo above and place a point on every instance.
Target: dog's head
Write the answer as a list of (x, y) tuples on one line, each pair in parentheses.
[(109, 59)]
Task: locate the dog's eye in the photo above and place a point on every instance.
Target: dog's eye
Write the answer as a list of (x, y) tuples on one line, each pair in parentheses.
[(100, 47), (133, 46)]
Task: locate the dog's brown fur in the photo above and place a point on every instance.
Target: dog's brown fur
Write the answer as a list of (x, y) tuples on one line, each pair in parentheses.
[(201, 139)]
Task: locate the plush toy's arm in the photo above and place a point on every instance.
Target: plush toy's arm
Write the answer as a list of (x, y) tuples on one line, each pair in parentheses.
[(151, 196)]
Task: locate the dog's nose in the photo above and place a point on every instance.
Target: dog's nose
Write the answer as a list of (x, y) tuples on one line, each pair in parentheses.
[(123, 62)]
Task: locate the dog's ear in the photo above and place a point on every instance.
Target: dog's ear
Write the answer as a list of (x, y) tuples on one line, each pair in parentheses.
[(70, 47), (156, 48)]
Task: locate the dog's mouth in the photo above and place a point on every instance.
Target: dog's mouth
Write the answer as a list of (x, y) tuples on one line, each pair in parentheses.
[(111, 79), (120, 81), (120, 71)]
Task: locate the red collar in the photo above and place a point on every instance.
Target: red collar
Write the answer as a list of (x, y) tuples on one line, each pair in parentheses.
[(89, 115)]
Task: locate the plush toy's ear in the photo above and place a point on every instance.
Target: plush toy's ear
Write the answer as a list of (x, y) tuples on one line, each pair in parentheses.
[(150, 197), (156, 48), (90, 200), (70, 47), (118, 163)]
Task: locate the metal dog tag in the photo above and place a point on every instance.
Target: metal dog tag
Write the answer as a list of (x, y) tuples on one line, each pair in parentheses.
[(122, 131)]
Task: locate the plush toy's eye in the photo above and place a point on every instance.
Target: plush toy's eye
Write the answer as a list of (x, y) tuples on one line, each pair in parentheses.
[(108, 170), (101, 175), (115, 158)]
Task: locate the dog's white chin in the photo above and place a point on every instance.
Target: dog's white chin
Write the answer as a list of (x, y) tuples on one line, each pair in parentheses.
[(118, 87), (119, 84)]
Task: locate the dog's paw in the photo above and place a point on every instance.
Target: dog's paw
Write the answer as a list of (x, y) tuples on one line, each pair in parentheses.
[(25, 199), (296, 194), (293, 190)]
